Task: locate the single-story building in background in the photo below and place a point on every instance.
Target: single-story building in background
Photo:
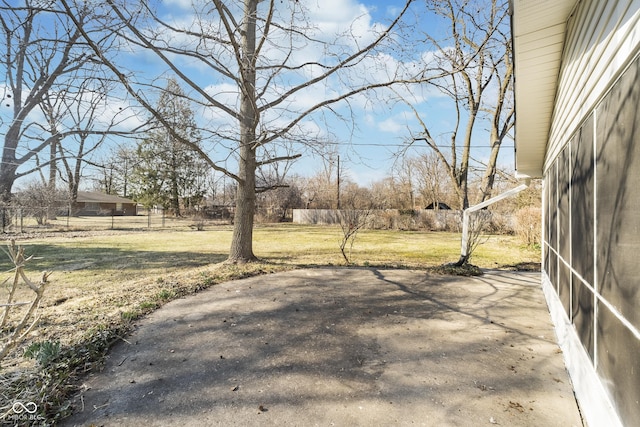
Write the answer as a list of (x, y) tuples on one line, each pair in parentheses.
[(577, 94), (92, 204), (438, 205)]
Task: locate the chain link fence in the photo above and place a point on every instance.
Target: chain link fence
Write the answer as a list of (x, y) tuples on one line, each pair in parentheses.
[(40, 220)]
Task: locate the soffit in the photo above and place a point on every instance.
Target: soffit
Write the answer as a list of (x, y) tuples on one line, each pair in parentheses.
[(538, 31)]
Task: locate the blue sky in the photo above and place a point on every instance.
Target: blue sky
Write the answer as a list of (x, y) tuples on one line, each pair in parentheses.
[(381, 132), (380, 126)]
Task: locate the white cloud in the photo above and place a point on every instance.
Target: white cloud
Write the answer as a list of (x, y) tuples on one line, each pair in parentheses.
[(182, 4), (342, 17), (338, 28), (392, 10), (395, 124)]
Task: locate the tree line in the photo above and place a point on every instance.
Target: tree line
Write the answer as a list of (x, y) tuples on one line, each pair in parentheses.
[(239, 90)]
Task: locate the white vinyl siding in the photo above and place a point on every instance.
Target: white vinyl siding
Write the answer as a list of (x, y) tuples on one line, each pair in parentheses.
[(602, 38), (539, 28), (592, 229)]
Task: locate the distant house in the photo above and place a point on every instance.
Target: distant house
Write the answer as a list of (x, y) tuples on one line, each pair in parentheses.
[(577, 69), (439, 205), (99, 204)]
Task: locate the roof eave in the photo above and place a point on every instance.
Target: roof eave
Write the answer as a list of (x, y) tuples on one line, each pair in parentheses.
[(538, 35)]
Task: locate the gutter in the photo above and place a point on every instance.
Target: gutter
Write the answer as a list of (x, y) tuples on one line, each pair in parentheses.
[(464, 250)]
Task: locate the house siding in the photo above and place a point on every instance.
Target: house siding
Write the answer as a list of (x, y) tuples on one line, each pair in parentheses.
[(591, 209), (105, 209), (98, 204), (602, 37)]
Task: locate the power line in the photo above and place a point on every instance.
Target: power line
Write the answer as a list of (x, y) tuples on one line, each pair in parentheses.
[(380, 144)]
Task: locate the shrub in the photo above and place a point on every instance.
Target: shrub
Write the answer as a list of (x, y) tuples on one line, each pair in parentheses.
[(528, 225), (500, 223), (427, 221)]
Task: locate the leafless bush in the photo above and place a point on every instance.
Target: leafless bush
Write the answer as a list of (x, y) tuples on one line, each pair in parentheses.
[(394, 219), (198, 222), (406, 220), (351, 222), (426, 221), (422, 219), (498, 223), (269, 216), (385, 219), (18, 316), (479, 223), (528, 223), (39, 201), (452, 221)]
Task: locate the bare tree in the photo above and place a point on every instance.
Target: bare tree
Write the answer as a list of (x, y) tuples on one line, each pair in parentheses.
[(42, 55), (404, 180), (386, 194), (274, 175), (277, 193), (480, 91), (114, 171), (82, 113), (432, 180), (254, 53), (354, 196), (357, 209), (277, 202), (322, 189)]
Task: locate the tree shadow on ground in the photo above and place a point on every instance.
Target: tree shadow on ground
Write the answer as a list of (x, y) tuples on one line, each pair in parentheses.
[(320, 345), (69, 258)]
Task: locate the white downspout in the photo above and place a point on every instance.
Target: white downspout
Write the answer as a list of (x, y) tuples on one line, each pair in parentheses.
[(464, 252)]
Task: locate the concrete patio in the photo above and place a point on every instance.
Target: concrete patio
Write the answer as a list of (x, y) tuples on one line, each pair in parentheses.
[(344, 347)]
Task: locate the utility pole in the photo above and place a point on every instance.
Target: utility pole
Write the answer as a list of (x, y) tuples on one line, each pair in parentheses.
[(338, 192)]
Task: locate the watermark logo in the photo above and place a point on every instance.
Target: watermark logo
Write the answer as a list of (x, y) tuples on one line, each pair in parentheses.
[(22, 411), (28, 407)]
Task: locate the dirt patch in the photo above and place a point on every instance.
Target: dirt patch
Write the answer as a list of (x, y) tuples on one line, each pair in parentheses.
[(340, 347), (523, 266)]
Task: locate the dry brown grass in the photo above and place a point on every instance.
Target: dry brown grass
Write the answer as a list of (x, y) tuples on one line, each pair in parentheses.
[(102, 282), (99, 279)]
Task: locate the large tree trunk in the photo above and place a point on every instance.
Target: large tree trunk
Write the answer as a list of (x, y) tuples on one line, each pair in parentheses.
[(490, 174), (7, 178), (175, 191), (242, 240), (53, 164), (9, 164)]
